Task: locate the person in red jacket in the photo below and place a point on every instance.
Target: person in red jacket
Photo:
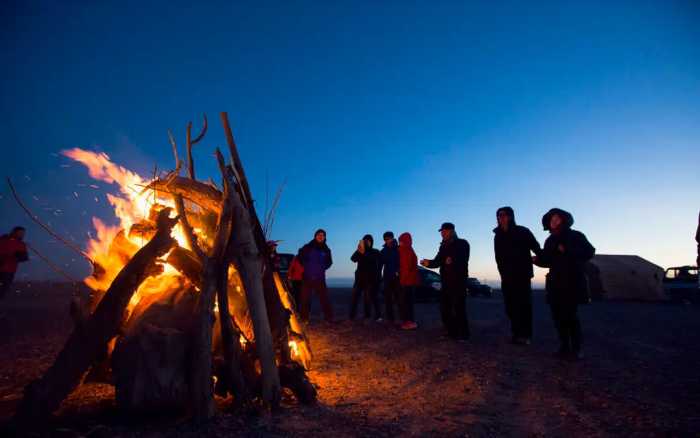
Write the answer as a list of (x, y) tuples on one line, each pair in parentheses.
[(12, 252), (409, 279), (295, 275)]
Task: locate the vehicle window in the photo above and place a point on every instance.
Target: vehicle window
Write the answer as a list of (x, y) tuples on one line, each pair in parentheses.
[(671, 274)]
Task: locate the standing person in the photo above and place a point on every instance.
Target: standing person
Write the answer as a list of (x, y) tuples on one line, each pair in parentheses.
[(565, 253), (453, 261), (409, 279), (367, 277), (697, 239), (390, 276), (315, 257), (512, 244), (295, 276), (12, 252)]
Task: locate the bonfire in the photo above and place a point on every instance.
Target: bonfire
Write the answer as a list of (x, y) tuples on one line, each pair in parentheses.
[(184, 301)]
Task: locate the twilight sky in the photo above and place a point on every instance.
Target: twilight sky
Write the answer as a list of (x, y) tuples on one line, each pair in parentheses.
[(381, 115)]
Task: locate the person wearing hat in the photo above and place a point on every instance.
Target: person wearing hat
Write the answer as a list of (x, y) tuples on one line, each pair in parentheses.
[(367, 276), (315, 257), (565, 253), (453, 260), (390, 277), (513, 245)]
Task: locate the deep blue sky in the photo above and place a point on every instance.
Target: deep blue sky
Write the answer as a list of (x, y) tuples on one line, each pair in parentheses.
[(382, 115)]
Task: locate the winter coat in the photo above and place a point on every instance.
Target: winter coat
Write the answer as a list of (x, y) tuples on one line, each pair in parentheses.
[(513, 249), (408, 262), (566, 279), (296, 270), (315, 258), (390, 261), (12, 252), (454, 275), (369, 265)]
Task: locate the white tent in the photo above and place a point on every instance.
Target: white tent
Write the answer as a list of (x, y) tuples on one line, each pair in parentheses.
[(625, 277)]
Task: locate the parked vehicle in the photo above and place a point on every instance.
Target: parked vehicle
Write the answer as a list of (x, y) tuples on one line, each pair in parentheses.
[(475, 288), (285, 261), (681, 283), (429, 288)]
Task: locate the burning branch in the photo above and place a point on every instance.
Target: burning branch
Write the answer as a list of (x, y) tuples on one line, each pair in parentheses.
[(88, 340)]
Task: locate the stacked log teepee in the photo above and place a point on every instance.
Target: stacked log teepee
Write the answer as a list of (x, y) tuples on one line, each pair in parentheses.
[(253, 346)]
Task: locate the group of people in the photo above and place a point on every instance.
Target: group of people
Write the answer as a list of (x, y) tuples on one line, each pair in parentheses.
[(565, 253)]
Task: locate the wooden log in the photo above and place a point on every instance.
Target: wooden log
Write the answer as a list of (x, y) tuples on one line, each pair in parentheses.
[(201, 385), (248, 260), (43, 396), (200, 193), (187, 263), (293, 376)]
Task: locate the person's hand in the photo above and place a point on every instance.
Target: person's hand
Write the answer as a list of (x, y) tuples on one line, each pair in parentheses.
[(561, 248), (425, 263), (361, 246)]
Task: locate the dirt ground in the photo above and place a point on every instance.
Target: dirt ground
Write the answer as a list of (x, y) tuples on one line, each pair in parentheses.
[(640, 376)]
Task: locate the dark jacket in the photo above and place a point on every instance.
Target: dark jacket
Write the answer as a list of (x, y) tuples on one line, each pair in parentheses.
[(369, 264), (454, 275), (390, 261), (513, 249), (566, 278), (316, 258)]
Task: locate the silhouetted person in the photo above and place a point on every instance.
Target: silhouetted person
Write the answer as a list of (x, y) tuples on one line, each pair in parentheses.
[(390, 276), (409, 279), (316, 258), (453, 261), (697, 239), (512, 244), (12, 252), (367, 276), (565, 253)]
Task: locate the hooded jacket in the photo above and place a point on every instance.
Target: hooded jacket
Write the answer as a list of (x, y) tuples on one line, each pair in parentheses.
[(315, 258), (369, 265), (513, 247), (390, 261), (454, 275), (408, 262), (12, 252), (566, 279)]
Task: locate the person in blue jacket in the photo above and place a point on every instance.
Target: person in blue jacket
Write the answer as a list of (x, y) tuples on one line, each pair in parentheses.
[(316, 258)]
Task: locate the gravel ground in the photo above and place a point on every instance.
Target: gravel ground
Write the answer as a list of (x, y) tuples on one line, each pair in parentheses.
[(639, 377)]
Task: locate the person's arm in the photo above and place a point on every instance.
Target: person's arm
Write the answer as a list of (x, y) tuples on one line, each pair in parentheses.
[(533, 244), (579, 248), (356, 256), (497, 251), (437, 261), (330, 259), (544, 258)]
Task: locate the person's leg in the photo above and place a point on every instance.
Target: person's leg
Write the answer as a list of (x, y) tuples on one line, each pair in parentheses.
[(410, 313), (575, 329), (508, 300), (403, 305), (558, 316), (306, 289), (446, 310), (461, 324), (354, 301), (296, 293), (322, 291), (389, 301), (526, 310)]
